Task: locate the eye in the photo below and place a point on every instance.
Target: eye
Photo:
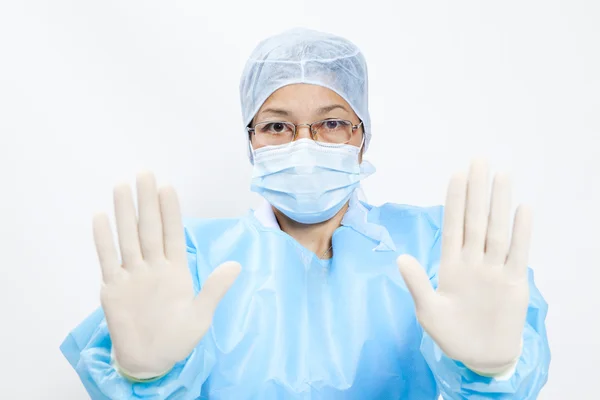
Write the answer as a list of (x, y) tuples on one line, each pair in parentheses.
[(274, 128), (277, 127), (335, 124), (331, 124)]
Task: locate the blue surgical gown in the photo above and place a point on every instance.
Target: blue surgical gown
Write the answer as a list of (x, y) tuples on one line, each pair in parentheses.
[(294, 326)]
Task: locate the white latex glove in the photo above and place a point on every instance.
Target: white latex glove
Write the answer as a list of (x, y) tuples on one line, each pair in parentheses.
[(477, 314), (153, 316)]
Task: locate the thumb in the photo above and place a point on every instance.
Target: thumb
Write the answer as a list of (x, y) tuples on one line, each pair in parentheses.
[(417, 281), (215, 287)]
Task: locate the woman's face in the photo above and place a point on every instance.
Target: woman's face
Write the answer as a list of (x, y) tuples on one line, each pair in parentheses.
[(304, 104)]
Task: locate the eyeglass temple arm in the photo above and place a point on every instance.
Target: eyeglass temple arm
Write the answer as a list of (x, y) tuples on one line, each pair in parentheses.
[(355, 127)]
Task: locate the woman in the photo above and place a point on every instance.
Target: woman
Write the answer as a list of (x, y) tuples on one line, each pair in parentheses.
[(320, 295)]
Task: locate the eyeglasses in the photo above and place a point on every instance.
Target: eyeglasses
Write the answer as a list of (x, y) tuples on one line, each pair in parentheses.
[(329, 131)]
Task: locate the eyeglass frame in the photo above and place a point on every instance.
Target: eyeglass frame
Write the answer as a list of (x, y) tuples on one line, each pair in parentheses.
[(252, 130)]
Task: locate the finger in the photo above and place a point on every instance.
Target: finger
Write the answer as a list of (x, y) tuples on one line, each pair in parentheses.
[(454, 216), (105, 248), (518, 254), (496, 245), (476, 212), (173, 233), (417, 282), (150, 223), (127, 228), (215, 287)]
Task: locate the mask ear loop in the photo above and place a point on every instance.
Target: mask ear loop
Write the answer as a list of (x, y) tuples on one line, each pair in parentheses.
[(250, 148), (360, 193), (250, 151), (360, 148)]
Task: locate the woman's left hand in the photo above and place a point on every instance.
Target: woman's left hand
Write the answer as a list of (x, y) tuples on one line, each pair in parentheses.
[(477, 314)]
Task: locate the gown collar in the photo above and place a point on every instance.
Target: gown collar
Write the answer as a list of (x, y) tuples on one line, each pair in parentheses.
[(356, 217)]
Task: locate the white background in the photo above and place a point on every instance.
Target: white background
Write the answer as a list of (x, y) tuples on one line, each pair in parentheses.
[(91, 92)]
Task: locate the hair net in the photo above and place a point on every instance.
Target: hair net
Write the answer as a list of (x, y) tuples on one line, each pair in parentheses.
[(306, 56)]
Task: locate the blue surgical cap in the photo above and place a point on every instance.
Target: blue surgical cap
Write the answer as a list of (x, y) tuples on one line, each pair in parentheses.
[(306, 56)]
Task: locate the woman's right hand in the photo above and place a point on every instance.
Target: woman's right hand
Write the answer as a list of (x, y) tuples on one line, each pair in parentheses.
[(153, 315)]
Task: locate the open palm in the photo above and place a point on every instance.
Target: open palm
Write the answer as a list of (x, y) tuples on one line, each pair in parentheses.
[(154, 317), (477, 314)]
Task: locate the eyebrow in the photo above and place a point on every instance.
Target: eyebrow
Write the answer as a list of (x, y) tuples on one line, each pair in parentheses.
[(327, 109), (320, 111), (277, 111)]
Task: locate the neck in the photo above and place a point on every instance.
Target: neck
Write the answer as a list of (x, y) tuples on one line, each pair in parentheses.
[(314, 237)]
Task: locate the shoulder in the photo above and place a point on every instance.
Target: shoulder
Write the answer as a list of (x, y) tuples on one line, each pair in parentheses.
[(414, 230), (402, 216), (200, 231)]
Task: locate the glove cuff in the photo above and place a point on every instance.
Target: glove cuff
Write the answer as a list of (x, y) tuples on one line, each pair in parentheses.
[(503, 372), (138, 377)]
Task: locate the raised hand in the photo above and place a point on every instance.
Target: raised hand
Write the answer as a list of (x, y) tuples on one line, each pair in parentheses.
[(153, 316), (477, 314)]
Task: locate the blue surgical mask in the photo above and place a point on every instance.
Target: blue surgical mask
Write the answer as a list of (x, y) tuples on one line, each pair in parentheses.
[(307, 181)]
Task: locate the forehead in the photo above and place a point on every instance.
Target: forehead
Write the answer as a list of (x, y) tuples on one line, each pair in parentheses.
[(303, 97)]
